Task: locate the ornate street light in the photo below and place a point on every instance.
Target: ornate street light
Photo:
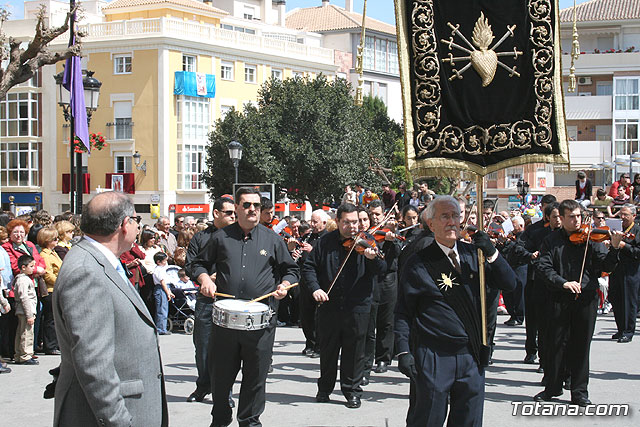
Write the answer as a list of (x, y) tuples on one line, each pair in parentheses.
[(523, 188), (91, 87), (141, 167), (235, 154)]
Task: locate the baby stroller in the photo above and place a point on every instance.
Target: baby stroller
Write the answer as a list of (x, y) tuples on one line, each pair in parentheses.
[(182, 307)]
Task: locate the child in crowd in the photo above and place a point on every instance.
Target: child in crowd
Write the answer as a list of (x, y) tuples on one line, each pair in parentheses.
[(161, 292), (183, 284), (603, 202), (26, 299)]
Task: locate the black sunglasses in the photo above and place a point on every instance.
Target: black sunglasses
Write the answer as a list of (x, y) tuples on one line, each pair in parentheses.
[(229, 213), (247, 205)]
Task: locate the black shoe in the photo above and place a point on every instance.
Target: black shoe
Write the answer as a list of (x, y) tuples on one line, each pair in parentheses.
[(307, 351), (567, 384), (581, 401), (197, 396), (511, 322), (220, 425), (616, 336), (322, 397), (381, 367), (543, 397), (314, 354), (50, 390), (490, 362), (365, 382), (53, 353), (28, 362), (5, 370), (165, 333), (540, 370), (353, 402), (530, 359), (625, 339)]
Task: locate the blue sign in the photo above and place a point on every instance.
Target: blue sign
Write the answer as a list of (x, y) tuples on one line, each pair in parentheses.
[(195, 84)]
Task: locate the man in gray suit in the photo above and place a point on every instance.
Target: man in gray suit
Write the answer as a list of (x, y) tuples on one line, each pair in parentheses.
[(111, 372)]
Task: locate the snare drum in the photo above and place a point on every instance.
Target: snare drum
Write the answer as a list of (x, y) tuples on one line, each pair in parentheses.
[(237, 314)]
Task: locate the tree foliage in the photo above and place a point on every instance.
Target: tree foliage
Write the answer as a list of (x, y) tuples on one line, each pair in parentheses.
[(23, 63), (305, 135)]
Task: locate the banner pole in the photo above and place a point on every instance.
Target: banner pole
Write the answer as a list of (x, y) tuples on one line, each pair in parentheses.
[(483, 293)]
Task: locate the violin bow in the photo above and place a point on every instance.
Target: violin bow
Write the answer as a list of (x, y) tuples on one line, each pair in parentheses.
[(344, 262), (584, 258), (468, 215)]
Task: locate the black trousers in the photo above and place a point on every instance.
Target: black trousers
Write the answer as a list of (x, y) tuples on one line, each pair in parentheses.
[(536, 319), (308, 308), (203, 325), (623, 295), (384, 319), (442, 377), (47, 325), (8, 326), (569, 333), (514, 301), (342, 333), (230, 350)]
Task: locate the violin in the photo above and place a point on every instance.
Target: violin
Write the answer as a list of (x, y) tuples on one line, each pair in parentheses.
[(380, 235), (468, 232), (363, 241), (597, 235)]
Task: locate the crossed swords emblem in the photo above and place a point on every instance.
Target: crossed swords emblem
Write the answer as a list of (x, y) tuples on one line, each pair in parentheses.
[(483, 59)]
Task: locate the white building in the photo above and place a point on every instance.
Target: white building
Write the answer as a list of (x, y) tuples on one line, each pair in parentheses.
[(341, 30)]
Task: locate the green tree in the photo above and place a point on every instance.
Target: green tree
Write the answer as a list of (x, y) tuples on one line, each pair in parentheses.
[(305, 135)]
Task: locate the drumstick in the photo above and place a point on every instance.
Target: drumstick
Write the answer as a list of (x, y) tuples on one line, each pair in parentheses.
[(270, 294), (220, 294)]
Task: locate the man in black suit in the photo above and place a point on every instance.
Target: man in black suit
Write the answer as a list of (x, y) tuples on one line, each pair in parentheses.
[(572, 302), (344, 315), (438, 312)]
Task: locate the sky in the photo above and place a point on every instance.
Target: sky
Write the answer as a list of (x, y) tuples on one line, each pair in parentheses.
[(378, 9)]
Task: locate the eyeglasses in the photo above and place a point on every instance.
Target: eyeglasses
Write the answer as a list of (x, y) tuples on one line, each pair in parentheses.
[(230, 213), (256, 206), (180, 221), (138, 219)]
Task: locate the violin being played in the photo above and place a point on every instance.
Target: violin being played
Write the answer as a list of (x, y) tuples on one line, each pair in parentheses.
[(602, 234)]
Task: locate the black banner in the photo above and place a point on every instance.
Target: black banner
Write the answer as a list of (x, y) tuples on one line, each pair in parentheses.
[(481, 84)]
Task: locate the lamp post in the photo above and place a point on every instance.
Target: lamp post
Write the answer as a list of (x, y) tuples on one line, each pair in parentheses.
[(523, 188), (91, 95), (606, 166), (235, 154)]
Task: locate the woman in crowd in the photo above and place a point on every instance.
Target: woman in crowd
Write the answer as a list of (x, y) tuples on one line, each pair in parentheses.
[(133, 260), (636, 188), (149, 246), (180, 254), (16, 246), (65, 231), (47, 240)]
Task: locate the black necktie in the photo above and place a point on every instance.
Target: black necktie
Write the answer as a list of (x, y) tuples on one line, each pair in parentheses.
[(454, 259)]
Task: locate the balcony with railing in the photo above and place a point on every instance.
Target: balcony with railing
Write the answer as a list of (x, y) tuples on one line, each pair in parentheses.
[(120, 130), (204, 33)]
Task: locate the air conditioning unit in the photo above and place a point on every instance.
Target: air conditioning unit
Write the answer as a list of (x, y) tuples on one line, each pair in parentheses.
[(584, 80)]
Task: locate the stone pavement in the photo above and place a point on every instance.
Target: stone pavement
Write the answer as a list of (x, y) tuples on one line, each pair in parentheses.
[(291, 388)]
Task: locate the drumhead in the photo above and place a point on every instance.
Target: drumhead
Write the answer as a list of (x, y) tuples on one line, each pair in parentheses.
[(241, 306)]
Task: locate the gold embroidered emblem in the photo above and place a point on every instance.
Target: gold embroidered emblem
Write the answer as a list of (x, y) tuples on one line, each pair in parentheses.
[(483, 59), (263, 252), (446, 282)]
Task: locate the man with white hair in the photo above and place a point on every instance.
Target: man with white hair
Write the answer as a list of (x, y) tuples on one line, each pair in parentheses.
[(167, 239), (625, 279), (439, 308)]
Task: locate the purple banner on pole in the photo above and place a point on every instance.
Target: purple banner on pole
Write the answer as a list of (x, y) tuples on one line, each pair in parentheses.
[(72, 81)]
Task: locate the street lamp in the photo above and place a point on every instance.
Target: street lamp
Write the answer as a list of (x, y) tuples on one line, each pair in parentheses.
[(235, 154), (606, 166), (141, 167), (523, 188), (91, 87)]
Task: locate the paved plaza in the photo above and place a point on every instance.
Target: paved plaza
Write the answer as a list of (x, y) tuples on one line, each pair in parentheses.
[(291, 388)]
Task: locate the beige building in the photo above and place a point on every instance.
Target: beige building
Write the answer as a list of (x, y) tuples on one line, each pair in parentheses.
[(169, 69)]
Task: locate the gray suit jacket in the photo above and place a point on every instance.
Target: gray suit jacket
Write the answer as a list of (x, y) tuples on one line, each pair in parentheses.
[(111, 372)]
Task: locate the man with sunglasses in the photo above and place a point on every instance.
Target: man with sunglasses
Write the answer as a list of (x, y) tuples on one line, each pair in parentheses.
[(250, 261), (101, 322), (224, 214), (178, 225)]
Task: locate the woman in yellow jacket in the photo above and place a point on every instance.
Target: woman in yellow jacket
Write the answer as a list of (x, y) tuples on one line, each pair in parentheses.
[(47, 240)]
